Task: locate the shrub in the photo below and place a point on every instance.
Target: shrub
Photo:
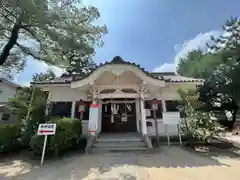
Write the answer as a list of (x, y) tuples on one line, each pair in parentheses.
[(9, 137), (198, 124), (68, 132)]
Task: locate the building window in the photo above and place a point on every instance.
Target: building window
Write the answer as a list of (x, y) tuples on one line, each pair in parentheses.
[(172, 105), (85, 113), (182, 114), (158, 112), (61, 109), (5, 117)]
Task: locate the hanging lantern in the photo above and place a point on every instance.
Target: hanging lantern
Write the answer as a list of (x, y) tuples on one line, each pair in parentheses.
[(154, 107), (154, 104), (81, 106)]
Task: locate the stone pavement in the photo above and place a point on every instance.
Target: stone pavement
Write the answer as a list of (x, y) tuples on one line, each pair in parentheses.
[(171, 163), (234, 139)]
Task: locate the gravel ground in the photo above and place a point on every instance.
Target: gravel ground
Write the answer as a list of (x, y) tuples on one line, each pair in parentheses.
[(172, 163)]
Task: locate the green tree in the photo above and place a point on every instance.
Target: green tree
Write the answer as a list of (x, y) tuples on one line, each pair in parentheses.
[(197, 124), (189, 65), (49, 75), (198, 64), (13, 65), (222, 86), (30, 109), (229, 41), (80, 64), (226, 76), (58, 28)]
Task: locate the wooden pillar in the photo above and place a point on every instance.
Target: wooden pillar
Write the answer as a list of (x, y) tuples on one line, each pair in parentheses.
[(143, 116), (90, 122), (73, 109), (99, 116), (164, 109), (138, 118)]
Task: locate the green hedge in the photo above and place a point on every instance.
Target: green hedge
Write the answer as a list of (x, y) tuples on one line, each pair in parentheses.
[(68, 132), (9, 137)]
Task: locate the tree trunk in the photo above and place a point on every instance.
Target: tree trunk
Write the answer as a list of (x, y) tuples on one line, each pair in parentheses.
[(11, 42), (234, 115)]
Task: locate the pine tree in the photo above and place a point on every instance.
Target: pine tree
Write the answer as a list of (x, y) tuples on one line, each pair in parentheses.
[(80, 64), (229, 41), (222, 86), (226, 77), (56, 27)]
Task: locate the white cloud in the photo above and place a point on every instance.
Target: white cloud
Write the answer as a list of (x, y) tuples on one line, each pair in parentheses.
[(166, 67), (43, 67), (40, 66), (35, 66), (27, 84), (198, 42)]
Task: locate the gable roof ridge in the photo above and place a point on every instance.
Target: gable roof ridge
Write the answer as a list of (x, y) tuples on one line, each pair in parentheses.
[(14, 84)]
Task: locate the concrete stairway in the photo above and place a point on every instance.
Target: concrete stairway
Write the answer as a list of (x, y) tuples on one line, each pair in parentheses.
[(119, 143)]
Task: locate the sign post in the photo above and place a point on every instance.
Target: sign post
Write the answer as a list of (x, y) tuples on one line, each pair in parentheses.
[(44, 149), (154, 107), (45, 130), (172, 118), (168, 136)]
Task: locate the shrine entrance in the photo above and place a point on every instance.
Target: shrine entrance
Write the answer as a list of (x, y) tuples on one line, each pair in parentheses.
[(119, 115)]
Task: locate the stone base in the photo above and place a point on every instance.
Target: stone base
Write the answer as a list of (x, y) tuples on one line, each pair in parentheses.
[(148, 141), (90, 141), (236, 128)]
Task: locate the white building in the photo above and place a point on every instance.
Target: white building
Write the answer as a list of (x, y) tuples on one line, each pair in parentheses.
[(123, 92), (7, 90)]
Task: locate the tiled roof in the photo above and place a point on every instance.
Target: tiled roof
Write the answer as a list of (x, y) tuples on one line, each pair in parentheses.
[(58, 80), (172, 77), (165, 76), (11, 83), (116, 60)]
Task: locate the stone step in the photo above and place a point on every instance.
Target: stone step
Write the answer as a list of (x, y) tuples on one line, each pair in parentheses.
[(128, 142), (120, 144), (130, 139), (118, 149)]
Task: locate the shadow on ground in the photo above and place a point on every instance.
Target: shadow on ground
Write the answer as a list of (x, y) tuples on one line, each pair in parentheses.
[(117, 166), (216, 150)]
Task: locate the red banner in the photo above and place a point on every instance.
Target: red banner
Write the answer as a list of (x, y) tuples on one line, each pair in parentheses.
[(94, 106)]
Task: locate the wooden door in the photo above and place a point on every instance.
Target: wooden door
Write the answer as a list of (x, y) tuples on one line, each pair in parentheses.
[(118, 123)]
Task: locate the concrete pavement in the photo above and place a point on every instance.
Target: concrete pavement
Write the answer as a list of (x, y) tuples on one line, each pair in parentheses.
[(166, 164)]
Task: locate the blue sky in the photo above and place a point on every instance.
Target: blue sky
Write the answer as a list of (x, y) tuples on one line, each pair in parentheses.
[(153, 33)]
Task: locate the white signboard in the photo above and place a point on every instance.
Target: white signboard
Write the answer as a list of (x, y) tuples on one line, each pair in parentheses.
[(171, 118), (148, 112), (93, 118), (46, 129)]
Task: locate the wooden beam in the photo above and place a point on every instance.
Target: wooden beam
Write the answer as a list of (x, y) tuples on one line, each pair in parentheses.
[(112, 86)]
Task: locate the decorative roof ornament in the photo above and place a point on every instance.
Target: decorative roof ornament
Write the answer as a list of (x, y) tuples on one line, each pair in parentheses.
[(117, 60)]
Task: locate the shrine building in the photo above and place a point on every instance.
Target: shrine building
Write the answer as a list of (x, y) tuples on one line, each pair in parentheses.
[(122, 92)]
